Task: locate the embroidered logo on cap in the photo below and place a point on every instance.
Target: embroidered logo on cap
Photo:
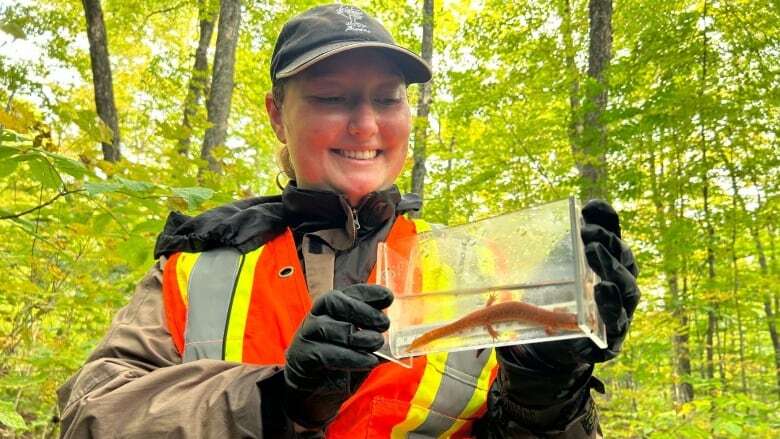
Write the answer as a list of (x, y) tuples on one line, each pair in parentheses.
[(353, 15)]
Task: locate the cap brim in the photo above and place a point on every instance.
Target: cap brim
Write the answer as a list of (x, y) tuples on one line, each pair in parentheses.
[(414, 68)]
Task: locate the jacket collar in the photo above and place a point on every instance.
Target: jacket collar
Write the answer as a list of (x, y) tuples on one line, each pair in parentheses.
[(310, 210), (248, 224)]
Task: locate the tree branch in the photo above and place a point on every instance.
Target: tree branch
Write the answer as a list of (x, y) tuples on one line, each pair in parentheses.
[(40, 206), (163, 11)]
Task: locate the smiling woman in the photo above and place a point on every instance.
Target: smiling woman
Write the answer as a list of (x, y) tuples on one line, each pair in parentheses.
[(345, 122)]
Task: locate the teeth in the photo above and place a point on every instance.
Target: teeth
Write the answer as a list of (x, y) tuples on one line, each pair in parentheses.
[(358, 155)]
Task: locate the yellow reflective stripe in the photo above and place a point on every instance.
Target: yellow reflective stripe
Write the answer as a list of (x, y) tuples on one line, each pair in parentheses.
[(239, 307), (423, 397), (478, 398), (436, 276), (457, 425), (421, 225), (184, 266), (486, 260)]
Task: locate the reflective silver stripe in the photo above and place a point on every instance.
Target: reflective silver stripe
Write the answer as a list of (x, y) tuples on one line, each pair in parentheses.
[(210, 290), (458, 383)]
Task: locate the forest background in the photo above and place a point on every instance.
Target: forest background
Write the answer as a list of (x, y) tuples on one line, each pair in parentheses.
[(667, 108)]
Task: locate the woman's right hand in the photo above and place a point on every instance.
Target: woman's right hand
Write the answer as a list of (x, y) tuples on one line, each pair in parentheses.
[(331, 353)]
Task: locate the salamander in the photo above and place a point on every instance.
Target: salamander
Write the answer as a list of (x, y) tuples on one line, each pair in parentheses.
[(514, 311)]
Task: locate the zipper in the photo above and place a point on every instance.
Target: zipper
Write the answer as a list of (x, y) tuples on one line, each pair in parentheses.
[(355, 226), (355, 222)]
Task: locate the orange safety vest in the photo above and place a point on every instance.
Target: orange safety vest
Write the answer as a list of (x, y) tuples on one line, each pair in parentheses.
[(221, 304)]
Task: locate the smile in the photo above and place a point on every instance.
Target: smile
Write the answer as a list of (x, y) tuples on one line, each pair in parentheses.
[(358, 155)]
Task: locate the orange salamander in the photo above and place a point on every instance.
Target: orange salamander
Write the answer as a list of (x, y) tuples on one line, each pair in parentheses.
[(500, 313)]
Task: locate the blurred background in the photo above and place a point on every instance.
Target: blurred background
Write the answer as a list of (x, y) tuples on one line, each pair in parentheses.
[(669, 109)]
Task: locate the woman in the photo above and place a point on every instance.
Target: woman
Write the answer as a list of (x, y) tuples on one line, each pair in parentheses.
[(260, 319)]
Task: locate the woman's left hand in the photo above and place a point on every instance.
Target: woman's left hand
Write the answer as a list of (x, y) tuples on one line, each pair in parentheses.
[(558, 373), (617, 295)]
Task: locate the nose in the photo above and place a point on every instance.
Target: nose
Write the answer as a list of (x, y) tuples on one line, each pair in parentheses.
[(363, 121)]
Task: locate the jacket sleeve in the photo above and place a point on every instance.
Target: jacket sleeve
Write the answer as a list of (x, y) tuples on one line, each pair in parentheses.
[(518, 404), (134, 384)]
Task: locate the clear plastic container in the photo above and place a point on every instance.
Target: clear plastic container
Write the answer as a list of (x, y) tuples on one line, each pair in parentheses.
[(515, 278)]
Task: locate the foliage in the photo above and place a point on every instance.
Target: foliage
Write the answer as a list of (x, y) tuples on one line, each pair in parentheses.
[(694, 112)]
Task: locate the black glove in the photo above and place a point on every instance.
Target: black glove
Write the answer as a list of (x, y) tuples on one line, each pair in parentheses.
[(550, 372), (330, 354), (617, 294)]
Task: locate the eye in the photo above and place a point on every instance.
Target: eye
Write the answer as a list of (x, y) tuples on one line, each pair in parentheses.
[(387, 101), (330, 99)]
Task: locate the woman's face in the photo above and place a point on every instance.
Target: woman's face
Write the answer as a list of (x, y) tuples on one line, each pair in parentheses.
[(346, 123)]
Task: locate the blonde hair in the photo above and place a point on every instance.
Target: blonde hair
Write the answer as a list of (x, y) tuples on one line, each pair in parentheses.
[(283, 155), (284, 162)]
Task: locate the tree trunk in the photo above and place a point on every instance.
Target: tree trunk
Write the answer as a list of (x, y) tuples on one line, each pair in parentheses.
[(207, 12), (423, 108), (450, 149), (736, 202), (221, 93), (677, 207), (767, 299), (737, 302), (683, 389), (592, 162), (101, 77), (712, 321), (573, 76), (771, 315), (766, 270)]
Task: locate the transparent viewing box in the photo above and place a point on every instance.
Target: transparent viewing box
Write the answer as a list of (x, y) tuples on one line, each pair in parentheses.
[(515, 278)]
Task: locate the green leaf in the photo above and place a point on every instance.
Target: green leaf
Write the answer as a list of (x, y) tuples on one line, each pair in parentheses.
[(148, 226), (7, 166), (172, 131), (101, 187), (733, 429), (136, 250), (26, 224), (101, 221), (43, 172), (10, 418), (67, 165), (19, 381), (13, 30), (7, 151), (194, 196), (135, 185), (8, 136)]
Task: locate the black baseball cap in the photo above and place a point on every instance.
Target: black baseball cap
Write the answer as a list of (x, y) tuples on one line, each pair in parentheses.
[(324, 31)]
